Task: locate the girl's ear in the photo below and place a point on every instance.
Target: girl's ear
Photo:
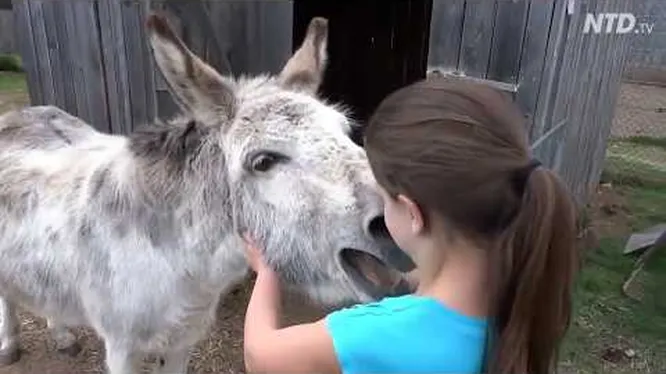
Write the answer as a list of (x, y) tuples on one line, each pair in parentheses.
[(417, 221)]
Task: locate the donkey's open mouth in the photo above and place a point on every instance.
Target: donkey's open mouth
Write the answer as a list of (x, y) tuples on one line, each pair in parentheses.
[(373, 275)]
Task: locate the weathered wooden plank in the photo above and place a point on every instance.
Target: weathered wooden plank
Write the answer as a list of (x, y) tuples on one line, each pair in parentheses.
[(565, 96), (595, 142), (137, 88), (593, 103), (194, 19), (148, 63), (7, 38), (578, 157), (106, 28), (66, 80), (53, 53), (446, 28), (23, 30), (76, 61), (115, 67), (249, 36), (578, 48), (552, 63), (533, 56), (85, 17), (506, 87), (41, 51), (236, 35), (552, 151), (274, 24), (477, 37), (614, 56), (584, 86), (220, 11), (506, 48)]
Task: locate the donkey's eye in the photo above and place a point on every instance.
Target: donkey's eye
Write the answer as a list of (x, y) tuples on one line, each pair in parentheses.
[(264, 161)]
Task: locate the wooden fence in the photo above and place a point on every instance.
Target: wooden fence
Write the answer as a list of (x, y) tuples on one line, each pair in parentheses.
[(91, 58), (7, 40)]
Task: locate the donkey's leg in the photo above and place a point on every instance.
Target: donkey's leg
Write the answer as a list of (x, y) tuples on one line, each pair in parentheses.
[(119, 358), (65, 340), (9, 329)]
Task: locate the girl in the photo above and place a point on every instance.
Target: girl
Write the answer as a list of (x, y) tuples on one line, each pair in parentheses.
[(492, 234)]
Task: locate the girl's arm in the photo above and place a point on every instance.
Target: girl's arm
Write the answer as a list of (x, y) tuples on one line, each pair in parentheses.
[(306, 348)]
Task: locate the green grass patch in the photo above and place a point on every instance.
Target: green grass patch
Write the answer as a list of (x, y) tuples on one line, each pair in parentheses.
[(10, 62), (604, 316), (12, 82), (648, 206), (636, 161), (647, 140)]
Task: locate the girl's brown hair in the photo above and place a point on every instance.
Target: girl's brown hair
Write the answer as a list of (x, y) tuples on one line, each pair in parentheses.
[(460, 151)]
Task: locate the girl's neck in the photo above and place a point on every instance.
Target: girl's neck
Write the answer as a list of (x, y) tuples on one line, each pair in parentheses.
[(460, 280)]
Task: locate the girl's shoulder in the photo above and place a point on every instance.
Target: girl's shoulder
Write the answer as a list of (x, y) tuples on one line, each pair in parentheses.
[(410, 308), (391, 334)]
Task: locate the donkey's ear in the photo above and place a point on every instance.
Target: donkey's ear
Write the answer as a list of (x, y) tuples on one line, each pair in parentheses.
[(305, 69), (197, 87)]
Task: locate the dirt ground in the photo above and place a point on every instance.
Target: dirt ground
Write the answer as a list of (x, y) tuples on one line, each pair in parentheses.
[(609, 215), (220, 352), (640, 111), (11, 100)]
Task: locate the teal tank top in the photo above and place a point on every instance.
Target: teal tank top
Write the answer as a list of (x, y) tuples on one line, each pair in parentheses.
[(407, 334)]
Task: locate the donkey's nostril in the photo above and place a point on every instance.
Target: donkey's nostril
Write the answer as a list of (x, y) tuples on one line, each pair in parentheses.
[(377, 228)]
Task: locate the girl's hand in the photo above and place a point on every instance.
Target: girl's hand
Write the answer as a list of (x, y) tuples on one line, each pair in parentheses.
[(254, 255)]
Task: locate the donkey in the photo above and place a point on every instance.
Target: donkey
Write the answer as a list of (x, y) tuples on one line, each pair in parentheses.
[(139, 236)]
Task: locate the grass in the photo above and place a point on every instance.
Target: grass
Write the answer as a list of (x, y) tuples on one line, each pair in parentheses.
[(648, 141), (12, 82), (636, 161), (13, 91), (604, 317)]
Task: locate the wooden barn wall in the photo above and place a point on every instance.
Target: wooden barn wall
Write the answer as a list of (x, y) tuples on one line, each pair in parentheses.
[(92, 58), (7, 39), (591, 78), (564, 81), (235, 37)]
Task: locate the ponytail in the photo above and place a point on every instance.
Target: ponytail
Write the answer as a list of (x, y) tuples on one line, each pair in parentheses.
[(450, 145), (533, 269)]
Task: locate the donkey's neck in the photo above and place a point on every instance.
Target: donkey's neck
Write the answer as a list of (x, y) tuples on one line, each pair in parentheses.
[(194, 231), (188, 209)]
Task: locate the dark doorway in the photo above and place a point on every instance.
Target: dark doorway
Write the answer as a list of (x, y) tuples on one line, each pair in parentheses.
[(374, 48)]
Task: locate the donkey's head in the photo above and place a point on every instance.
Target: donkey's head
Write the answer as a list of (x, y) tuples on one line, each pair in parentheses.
[(296, 180)]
